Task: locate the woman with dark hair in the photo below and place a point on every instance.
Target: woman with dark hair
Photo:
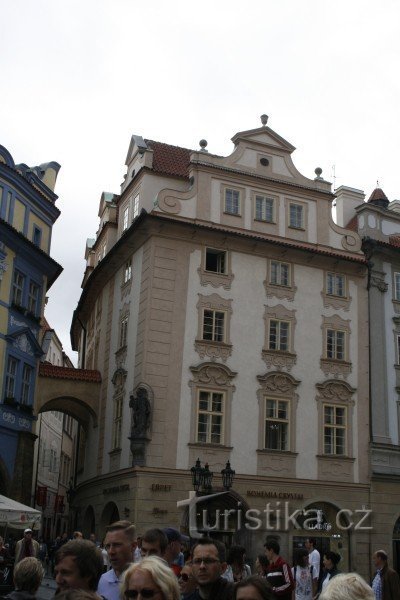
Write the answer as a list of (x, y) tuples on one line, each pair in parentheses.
[(330, 562), (304, 576), (262, 565), (237, 569), (253, 588)]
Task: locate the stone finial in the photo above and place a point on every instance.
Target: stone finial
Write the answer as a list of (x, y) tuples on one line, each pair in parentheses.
[(318, 172), (264, 120), (203, 145)]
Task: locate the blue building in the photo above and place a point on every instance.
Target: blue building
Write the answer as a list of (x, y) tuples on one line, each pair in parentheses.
[(27, 271)]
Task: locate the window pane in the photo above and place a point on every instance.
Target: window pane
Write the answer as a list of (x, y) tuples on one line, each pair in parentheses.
[(232, 201), (219, 326), (296, 215), (217, 403), (203, 400)]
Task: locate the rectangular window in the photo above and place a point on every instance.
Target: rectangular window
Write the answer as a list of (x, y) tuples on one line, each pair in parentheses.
[(123, 331), (33, 298), (280, 273), (117, 425), (335, 284), (278, 338), (232, 201), (215, 260), (210, 417), (296, 216), (397, 286), (335, 344), (214, 325), (125, 219), (276, 424), (136, 206), (18, 287), (334, 430), (398, 349), (127, 271), (36, 236), (264, 209), (11, 377), (27, 375)]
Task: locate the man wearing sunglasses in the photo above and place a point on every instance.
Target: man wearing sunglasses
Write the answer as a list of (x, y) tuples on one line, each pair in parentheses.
[(208, 564), (119, 543)]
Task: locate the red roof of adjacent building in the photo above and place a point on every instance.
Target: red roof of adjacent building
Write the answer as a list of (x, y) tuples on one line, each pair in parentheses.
[(377, 194), (170, 160), (352, 224), (48, 370)]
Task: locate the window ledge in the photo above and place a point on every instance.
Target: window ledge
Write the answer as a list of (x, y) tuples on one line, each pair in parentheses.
[(275, 452), (279, 359), (215, 279), (213, 349), (280, 291), (296, 228), (336, 457), (210, 445), (335, 366), (232, 214)]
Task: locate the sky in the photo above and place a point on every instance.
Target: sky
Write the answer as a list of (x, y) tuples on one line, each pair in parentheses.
[(79, 77)]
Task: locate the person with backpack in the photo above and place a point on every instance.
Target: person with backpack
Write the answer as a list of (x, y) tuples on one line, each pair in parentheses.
[(305, 576)]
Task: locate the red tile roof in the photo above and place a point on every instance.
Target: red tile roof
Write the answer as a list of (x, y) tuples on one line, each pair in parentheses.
[(48, 370), (170, 160), (394, 240), (353, 224)]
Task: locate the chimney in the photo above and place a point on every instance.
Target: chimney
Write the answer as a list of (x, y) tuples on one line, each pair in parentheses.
[(347, 200)]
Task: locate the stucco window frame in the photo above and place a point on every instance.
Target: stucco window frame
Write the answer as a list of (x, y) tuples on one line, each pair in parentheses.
[(279, 290), (277, 385), (210, 348), (211, 377), (337, 393), (279, 358), (333, 300), (214, 278), (334, 366)]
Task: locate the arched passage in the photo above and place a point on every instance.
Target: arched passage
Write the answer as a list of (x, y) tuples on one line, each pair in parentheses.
[(396, 546), (109, 515), (75, 392), (89, 522)]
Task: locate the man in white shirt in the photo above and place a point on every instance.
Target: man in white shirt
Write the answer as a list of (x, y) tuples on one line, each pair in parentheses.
[(314, 556), (119, 543)]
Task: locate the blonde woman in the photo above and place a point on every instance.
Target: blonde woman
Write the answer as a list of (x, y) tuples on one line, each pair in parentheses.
[(347, 586), (152, 578)]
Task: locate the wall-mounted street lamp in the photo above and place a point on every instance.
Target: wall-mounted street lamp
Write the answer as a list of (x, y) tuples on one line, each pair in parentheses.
[(202, 477)]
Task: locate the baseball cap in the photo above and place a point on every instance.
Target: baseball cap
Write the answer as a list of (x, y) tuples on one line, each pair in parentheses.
[(173, 535), (28, 531)]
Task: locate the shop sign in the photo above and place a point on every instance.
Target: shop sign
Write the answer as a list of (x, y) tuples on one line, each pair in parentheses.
[(160, 487), (116, 489), (277, 495)]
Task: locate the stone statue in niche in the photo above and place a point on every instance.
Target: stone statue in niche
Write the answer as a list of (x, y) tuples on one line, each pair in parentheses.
[(141, 413)]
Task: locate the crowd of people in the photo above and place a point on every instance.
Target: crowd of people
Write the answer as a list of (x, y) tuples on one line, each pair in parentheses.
[(166, 565)]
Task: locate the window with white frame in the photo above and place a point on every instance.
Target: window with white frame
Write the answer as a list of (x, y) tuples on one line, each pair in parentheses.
[(216, 261), (276, 424), (210, 417), (33, 297), (397, 286), (335, 419), (117, 423), (125, 221), (11, 377), (27, 376), (264, 208), (135, 208), (279, 273), (127, 271), (335, 344), (279, 335), (232, 201), (123, 332), (214, 325), (18, 287), (296, 215), (336, 284)]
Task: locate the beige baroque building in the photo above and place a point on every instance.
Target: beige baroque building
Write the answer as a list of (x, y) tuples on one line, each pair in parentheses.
[(227, 314)]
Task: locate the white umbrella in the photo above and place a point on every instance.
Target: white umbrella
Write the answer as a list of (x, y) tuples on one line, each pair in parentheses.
[(17, 515)]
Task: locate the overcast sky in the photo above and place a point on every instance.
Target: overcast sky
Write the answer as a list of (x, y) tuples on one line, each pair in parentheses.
[(79, 77)]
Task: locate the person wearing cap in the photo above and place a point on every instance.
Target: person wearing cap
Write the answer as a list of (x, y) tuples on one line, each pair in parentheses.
[(175, 540), (26, 547)]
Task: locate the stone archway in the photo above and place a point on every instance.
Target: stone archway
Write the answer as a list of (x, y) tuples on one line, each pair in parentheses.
[(109, 515), (89, 522), (396, 545), (75, 392)]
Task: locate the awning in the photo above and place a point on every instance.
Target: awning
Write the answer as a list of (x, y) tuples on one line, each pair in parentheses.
[(17, 515)]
